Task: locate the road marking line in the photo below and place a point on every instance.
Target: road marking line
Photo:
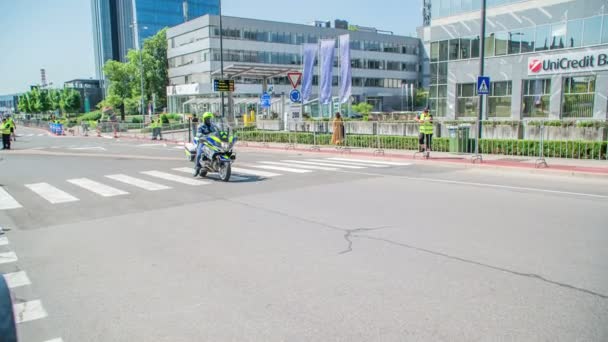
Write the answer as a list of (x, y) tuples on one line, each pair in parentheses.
[(41, 135), (98, 188), (51, 193), (8, 257), (487, 185), (148, 145), (3, 241), (30, 135), (178, 147), (140, 183), (29, 311), (347, 163), (17, 279), (326, 164), (7, 201), (175, 178), (278, 168), (97, 148), (365, 161), (301, 166), (189, 170), (55, 340), (258, 173)]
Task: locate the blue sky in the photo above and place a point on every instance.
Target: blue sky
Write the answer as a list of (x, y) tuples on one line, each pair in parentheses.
[(57, 35)]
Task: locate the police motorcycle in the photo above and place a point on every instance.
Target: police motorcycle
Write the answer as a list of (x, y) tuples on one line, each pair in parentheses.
[(218, 154)]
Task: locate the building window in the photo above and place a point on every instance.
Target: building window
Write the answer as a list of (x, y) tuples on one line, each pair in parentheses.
[(467, 100), (393, 66), (605, 30), (574, 34), (475, 47), (465, 48), (578, 97), (438, 90), (543, 38), (454, 47), (499, 100), (435, 52), (527, 40), (502, 43), (514, 42), (489, 47), (592, 31), (536, 98), (443, 50), (558, 36)]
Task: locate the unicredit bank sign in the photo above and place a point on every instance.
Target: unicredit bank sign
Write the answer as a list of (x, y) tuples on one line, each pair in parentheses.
[(569, 62)]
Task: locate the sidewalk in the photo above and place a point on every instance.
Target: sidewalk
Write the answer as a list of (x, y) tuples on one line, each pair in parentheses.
[(595, 167)]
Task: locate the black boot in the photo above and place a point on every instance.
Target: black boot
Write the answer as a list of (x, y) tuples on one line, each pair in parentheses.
[(197, 171)]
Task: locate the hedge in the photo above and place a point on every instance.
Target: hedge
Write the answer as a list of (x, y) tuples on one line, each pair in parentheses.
[(510, 147)]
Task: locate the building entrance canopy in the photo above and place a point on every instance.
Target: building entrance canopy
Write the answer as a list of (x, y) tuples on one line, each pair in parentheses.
[(253, 70)]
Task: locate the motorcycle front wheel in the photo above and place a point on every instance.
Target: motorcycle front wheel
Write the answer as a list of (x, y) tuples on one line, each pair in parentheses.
[(225, 171)]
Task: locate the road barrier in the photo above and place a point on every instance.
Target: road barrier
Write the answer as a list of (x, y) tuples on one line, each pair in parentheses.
[(382, 136)]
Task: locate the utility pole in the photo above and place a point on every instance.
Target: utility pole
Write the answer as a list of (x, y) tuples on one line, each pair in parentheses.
[(141, 63), (482, 52), (221, 55)]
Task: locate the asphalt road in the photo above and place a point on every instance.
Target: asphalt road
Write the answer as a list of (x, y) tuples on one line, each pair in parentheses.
[(299, 247)]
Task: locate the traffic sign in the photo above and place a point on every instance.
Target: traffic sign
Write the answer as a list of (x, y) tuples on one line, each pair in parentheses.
[(223, 85), (296, 111), (483, 85), (295, 96), (265, 100), (294, 78)]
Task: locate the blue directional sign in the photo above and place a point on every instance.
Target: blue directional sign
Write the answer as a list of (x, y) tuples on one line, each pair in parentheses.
[(295, 95), (483, 85), (265, 100)]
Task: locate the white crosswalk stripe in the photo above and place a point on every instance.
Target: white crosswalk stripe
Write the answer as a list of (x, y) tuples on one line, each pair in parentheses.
[(311, 167), (371, 161), (3, 241), (189, 170), (347, 163), (258, 173), (140, 183), (277, 168), (7, 201), (30, 135), (175, 178), (98, 188), (41, 135), (51, 193), (29, 311), (325, 164), (17, 279), (8, 257)]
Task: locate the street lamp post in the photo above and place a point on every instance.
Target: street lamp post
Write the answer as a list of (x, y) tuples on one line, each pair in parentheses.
[(482, 47), (141, 64)]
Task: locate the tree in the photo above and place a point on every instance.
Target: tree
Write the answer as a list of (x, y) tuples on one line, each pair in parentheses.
[(25, 104), (55, 99), (40, 100), (120, 76), (156, 66), (363, 108), (422, 98), (70, 100)]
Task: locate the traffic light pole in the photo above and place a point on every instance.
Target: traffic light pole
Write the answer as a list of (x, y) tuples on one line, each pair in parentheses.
[(482, 53), (221, 56)]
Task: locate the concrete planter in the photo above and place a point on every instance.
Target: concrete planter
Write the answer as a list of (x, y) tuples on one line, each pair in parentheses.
[(566, 133)]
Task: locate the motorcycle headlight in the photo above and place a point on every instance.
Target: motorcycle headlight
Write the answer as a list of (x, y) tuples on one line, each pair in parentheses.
[(225, 146)]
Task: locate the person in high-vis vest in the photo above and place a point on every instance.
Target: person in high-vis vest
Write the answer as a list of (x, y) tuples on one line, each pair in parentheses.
[(13, 128), (6, 134), (425, 139)]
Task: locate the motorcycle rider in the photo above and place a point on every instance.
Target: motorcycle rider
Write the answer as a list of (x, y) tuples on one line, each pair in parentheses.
[(206, 128)]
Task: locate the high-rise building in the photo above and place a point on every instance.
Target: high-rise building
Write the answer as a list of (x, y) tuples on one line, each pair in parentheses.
[(116, 29), (545, 58)]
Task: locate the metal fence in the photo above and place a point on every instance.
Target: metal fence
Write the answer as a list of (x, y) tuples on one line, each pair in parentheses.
[(456, 139)]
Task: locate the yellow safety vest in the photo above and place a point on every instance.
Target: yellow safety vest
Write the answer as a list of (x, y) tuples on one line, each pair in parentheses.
[(11, 122), (426, 127), (6, 128)]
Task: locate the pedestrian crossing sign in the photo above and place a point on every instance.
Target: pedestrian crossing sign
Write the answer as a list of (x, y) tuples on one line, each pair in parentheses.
[(483, 85)]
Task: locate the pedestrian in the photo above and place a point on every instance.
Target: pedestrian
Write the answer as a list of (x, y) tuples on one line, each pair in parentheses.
[(13, 127), (6, 134), (425, 138), (338, 127), (194, 125)]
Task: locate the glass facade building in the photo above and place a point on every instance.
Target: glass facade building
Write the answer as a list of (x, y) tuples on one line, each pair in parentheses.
[(115, 32), (535, 54)]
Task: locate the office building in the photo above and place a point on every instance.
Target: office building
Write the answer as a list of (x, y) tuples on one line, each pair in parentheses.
[(546, 59), (258, 51), (121, 25), (90, 91), (9, 103)]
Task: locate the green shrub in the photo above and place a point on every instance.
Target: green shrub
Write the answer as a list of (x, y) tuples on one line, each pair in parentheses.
[(91, 116), (136, 120), (164, 118)]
